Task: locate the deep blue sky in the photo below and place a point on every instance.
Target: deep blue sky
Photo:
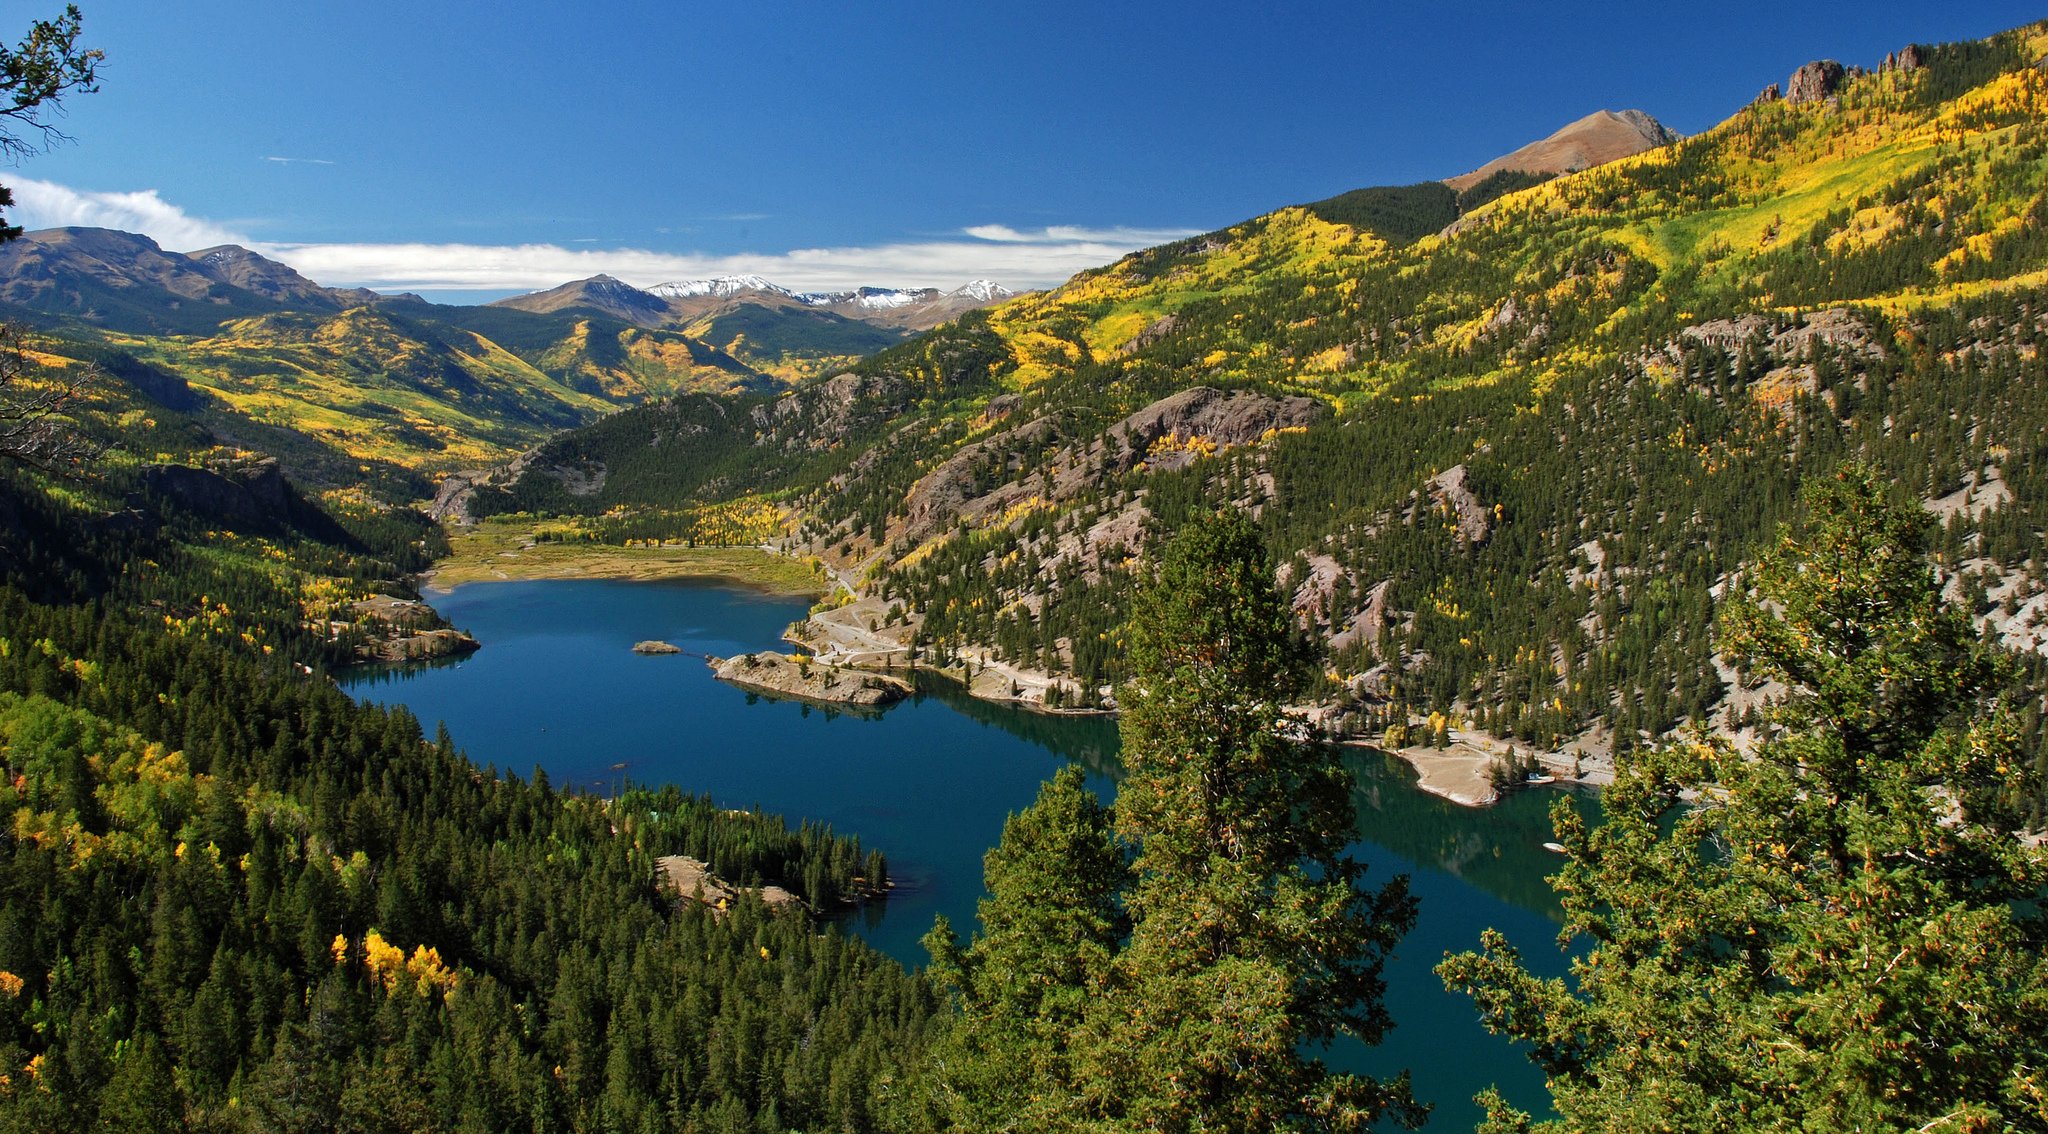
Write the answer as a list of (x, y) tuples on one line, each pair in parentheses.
[(732, 134)]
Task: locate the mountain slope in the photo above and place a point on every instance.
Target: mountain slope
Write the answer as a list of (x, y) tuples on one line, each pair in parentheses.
[(1596, 139), (125, 282), (1547, 432)]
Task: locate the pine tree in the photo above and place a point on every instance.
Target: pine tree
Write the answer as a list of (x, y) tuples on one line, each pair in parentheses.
[(1840, 932), (1177, 989), (1026, 986), (1251, 938)]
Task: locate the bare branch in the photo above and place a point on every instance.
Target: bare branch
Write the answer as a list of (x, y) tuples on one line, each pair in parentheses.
[(34, 429)]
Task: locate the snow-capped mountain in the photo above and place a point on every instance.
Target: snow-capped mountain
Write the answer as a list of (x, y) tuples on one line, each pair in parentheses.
[(680, 303), (983, 291), (722, 287)]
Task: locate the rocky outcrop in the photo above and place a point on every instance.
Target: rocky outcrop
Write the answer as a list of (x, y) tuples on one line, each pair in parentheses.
[(1451, 491), (1835, 327), (1223, 420), (691, 879), (403, 630), (1814, 81), (425, 645), (1153, 332), (1906, 60), (803, 678), (1596, 139)]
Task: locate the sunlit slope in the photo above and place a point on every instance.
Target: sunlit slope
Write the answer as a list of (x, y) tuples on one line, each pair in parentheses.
[(366, 385), (1904, 188), (1506, 443)]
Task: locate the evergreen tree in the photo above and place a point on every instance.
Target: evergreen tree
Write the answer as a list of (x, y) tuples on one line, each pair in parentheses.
[(1842, 931), (1049, 929), (1251, 938)]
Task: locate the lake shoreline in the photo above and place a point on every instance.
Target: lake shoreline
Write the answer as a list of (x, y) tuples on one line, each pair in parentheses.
[(490, 552)]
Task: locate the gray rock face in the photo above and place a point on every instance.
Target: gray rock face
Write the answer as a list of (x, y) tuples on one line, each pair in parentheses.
[(1908, 59), (1451, 491), (1814, 81)]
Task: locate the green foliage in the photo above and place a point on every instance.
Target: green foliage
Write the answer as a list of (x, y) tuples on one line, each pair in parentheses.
[(1398, 214), (1498, 184), (1250, 939), (1840, 930), (1028, 985)]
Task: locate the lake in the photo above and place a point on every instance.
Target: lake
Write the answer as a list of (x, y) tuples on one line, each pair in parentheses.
[(930, 781)]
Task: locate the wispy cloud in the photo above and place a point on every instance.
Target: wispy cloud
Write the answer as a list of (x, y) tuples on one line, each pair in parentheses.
[(299, 160), (1014, 257), (1069, 234)]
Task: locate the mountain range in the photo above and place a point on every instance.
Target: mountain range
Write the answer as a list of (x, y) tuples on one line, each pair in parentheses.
[(1506, 441), (1506, 433)]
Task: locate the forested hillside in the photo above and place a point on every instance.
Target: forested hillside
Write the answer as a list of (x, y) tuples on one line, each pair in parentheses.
[(233, 898), (1505, 447)]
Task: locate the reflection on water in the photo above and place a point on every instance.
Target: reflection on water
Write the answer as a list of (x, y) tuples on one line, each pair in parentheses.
[(1498, 849), (931, 780)]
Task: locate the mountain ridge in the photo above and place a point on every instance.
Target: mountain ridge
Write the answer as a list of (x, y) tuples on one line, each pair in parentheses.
[(1756, 290)]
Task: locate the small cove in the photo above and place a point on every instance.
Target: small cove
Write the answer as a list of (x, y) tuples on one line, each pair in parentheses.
[(930, 781)]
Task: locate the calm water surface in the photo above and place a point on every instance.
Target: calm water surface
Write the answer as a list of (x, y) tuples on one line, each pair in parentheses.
[(930, 781)]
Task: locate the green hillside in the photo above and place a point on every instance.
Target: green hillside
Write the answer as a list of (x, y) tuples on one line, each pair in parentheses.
[(1552, 423)]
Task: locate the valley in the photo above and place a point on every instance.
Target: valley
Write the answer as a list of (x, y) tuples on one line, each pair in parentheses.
[(1556, 648)]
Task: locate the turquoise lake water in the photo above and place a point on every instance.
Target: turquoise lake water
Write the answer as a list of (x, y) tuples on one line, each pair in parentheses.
[(931, 780)]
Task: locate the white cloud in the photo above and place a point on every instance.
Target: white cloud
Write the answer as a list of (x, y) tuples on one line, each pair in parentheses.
[(1070, 234), (299, 160), (42, 204), (1016, 258)]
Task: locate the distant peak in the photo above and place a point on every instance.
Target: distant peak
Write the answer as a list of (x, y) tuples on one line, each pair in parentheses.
[(1596, 139), (984, 291), (721, 286)]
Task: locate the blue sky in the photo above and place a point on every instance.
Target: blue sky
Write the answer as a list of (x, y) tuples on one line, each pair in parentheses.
[(478, 149)]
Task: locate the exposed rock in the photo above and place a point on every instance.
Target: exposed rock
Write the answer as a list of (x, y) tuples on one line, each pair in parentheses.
[(1834, 327), (1222, 419), (809, 680), (425, 645), (1814, 81), (1366, 626), (1771, 93), (974, 472), (1154, 331), (407, 630), (453, 495), (1451, 491), (691, 879), (656, 647), (1314, 592), (1982, 494)]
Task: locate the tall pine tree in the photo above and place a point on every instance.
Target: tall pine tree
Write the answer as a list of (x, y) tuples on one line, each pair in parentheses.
[(1839, 930), (1185, 987), (1252, 939)]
